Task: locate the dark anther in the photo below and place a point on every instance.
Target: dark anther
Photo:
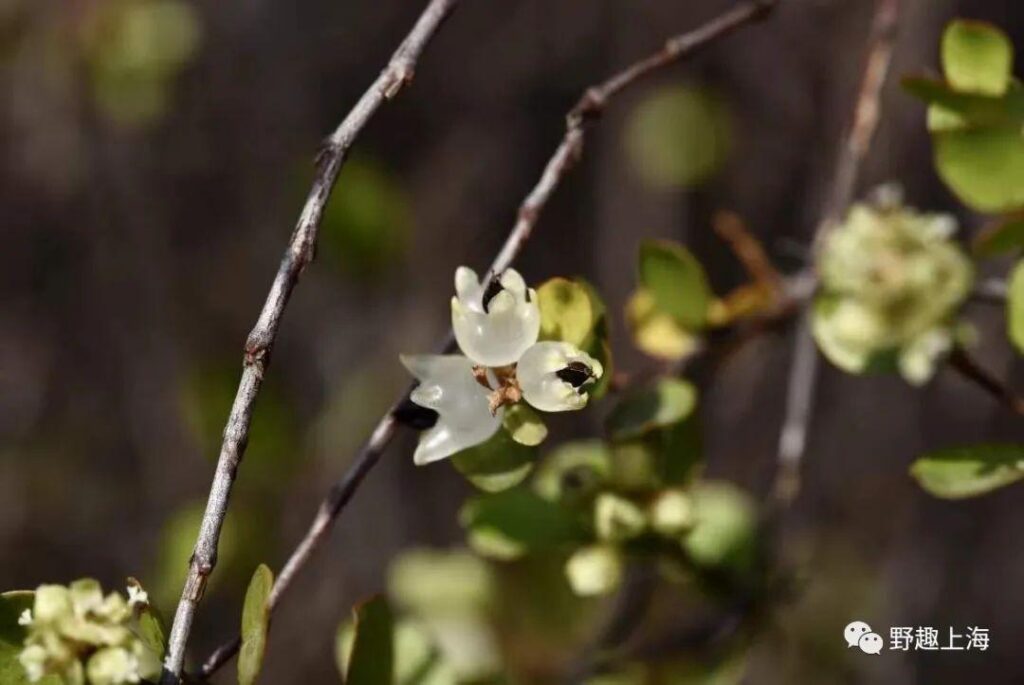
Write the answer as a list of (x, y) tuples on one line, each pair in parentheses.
[(493, 288), (575, 374), (414, 416)]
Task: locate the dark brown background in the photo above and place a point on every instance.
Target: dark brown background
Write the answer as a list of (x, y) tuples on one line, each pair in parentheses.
[(134, 260)]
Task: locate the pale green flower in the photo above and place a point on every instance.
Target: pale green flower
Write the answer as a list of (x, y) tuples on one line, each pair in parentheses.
[(892, 281), (80, 635)]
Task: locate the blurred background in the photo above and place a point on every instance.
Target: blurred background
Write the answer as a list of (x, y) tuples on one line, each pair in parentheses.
[(155, 155)]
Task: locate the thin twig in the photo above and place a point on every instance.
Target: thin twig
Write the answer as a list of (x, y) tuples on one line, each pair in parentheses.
[(748, 250), (804, 369), (589, 108), (965, 365), (260, 342)]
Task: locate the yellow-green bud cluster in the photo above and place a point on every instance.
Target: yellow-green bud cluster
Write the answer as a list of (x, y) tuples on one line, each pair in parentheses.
[(82, 636), (891, 283), (617, 520)]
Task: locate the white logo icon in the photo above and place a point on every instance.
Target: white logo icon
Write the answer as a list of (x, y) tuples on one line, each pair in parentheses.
[(859, 634)]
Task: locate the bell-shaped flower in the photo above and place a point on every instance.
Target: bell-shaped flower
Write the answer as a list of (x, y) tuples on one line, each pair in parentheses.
[(494, 325), (553, 376), (448, 386)]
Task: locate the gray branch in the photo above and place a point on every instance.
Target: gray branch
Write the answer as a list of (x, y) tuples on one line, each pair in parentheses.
[(260, 342), (804, 366)]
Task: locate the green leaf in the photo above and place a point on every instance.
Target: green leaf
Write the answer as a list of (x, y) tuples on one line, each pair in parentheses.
[(725, 521), (676, 282), (572, 311), (524, 425), (566, 311), (417, 660), (12, 639), (656, 332), (497, 464), (439, 582), (255, 620), (976, 57), (969, 471), (372, 659), (522, 518), (1015, 307), (1004, 236), (598, 345), (573, 471), (662, 404), (983, 166), (966, 108), (12, 635)]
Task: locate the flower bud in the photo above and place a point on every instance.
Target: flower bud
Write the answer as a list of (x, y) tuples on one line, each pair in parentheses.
[(671, 513), (594, 570), (616, 518)]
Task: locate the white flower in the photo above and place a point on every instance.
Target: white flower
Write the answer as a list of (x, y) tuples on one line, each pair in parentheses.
[(25, 619), (553, 376), (447, 386), (137, 596), (494, 329)]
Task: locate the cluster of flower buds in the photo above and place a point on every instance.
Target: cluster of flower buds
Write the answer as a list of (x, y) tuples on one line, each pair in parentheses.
[(496, 324), (80, 636), (619, 519), (891, 283)]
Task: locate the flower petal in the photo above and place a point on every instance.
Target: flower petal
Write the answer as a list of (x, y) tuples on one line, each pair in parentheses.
[(496, 332), (448, 387)]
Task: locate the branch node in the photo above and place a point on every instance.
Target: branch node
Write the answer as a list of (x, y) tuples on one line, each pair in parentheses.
[(589, 108), (398, 78), (528, 215)]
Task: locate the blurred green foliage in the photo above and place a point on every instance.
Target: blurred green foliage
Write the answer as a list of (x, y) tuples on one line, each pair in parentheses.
[(367, 223), (1015, 306), (497, 464), (272, 453), (670, 307), (135, 50), (976, 117), (372, 656), (242, 536), (678, 136)]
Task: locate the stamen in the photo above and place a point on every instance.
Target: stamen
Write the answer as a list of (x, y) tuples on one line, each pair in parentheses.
[(493, 288), (575, 374)]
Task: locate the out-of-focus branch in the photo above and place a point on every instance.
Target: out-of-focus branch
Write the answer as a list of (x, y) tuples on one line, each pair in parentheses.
[(804, 369), (590, 106), (748, 250), (260, 342), (966, 366), (990, 291)]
